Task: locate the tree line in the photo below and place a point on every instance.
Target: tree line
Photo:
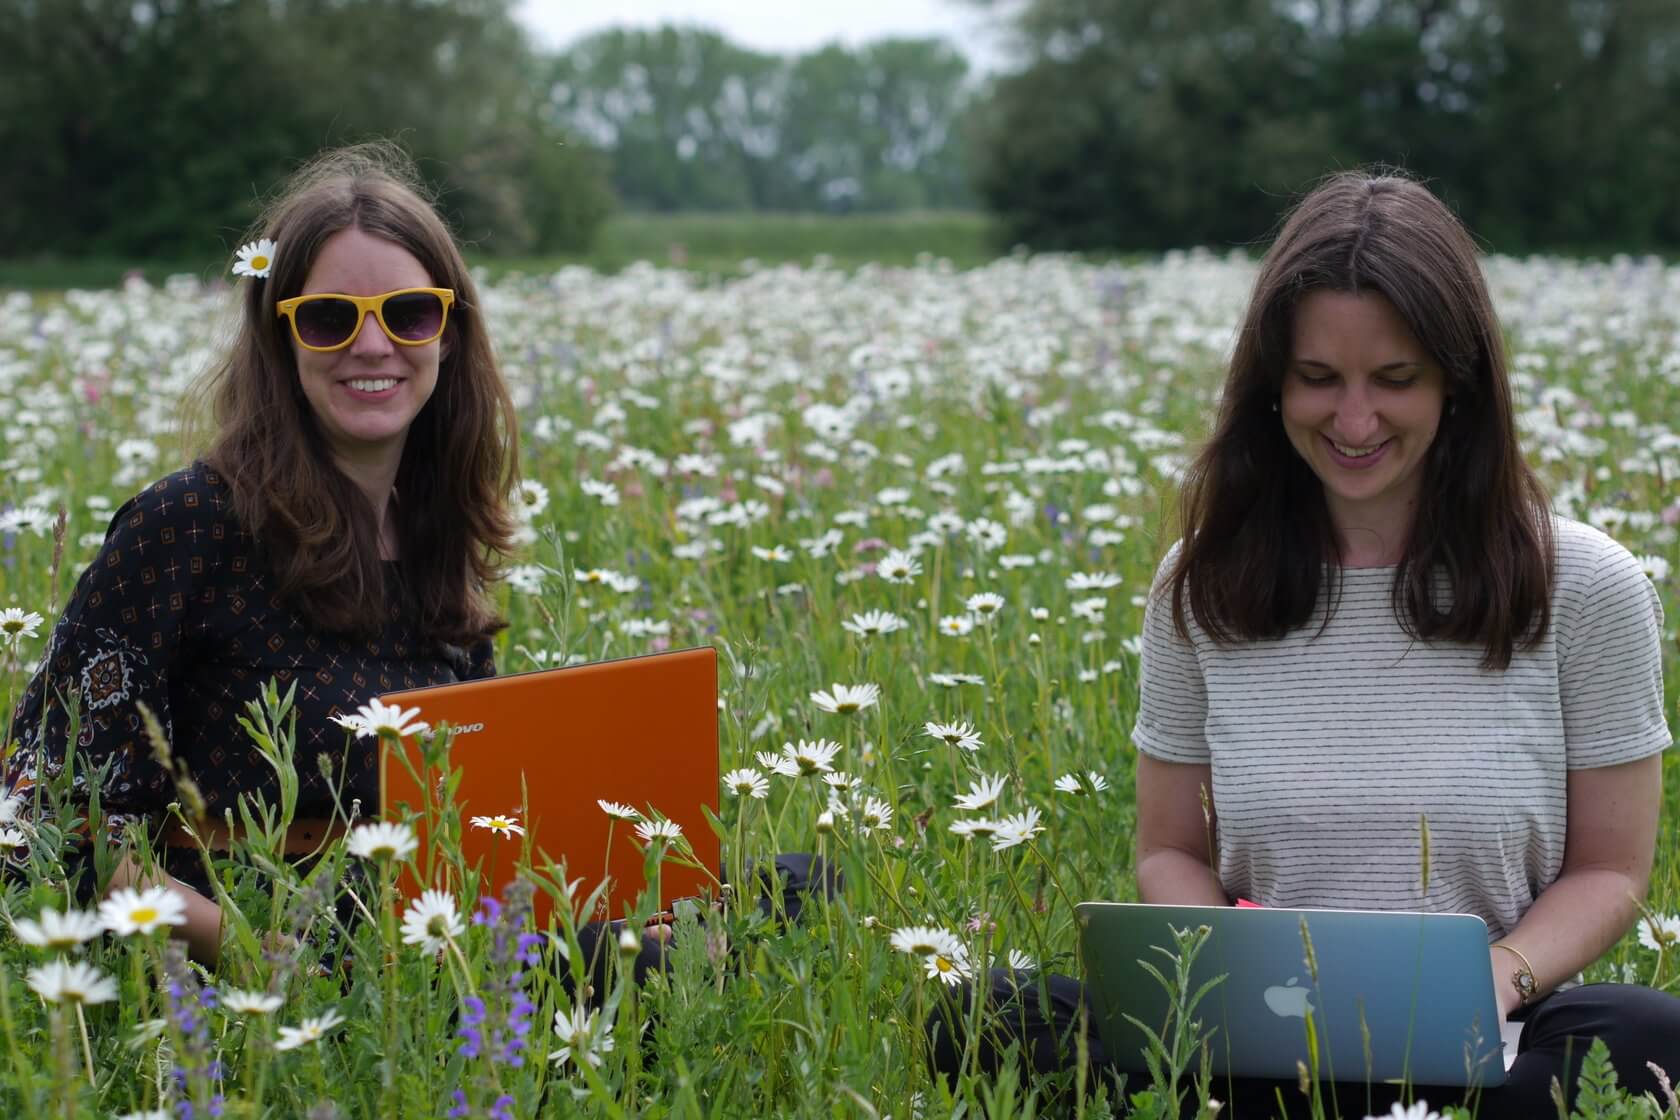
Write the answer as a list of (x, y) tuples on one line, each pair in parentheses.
[(1547, 124), (150, 127)]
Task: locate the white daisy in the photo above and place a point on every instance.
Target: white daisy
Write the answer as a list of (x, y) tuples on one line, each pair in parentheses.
[(1016, 829), (528, 499), (378, 718), (811, 756), (65, 981), (777, 555), (984, 605), (870, 623), (1655, 567), (982, 794), (58, 931), (12, 843), (1092, 581), (17, 623), (1419, 1110), (747, 783), (1659, 933), (255, 259), (32, 519), (1018, 961), (233, 1001), (925, 941), (383, 840), (898, 566), (432, 921), (951, 968), (847, 698), (502, 824), (618, 811), (1093, 782), (973, 826), (308, 1031), (129, 911), (662, 831), (577, 1029), (955, 734), (956, 625), (952, 680), (875, 814), (782, 764), (11, 804)]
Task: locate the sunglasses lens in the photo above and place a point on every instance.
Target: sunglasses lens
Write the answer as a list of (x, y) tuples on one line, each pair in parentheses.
[(414, 316), (325, 322)]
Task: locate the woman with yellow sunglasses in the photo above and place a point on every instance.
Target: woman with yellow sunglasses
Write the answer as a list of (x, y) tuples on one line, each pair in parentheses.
[(337, 533)]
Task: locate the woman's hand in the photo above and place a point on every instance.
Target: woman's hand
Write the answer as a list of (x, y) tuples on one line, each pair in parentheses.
[(1175, 834), (202, 931)]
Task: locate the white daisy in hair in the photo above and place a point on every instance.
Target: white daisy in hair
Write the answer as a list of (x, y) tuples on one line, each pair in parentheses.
[(383, 840), (309, 1031), (255, 259)]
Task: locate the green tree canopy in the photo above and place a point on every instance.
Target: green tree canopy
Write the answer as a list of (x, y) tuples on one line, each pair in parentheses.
[(1140, 125), (153, 126)]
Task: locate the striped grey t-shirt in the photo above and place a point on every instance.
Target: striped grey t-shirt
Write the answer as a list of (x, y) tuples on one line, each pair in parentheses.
[(1327, 750)]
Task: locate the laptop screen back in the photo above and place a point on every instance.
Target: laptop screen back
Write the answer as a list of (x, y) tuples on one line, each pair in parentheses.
[(1396, 995), (546, 746)]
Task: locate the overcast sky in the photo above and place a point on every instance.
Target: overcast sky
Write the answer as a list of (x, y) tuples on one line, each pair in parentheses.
[(775, 25)]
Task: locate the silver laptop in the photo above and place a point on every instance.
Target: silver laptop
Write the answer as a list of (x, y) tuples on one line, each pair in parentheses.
[(1398, 996)]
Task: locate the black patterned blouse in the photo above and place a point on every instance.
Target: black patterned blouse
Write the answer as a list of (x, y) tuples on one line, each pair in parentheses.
[(178, 610)]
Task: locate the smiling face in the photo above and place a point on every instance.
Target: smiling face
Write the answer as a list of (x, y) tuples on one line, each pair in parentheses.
[(1361, 403), (365, 396)]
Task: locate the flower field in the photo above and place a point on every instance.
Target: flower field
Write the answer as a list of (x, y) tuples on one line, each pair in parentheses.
[(915, 509)]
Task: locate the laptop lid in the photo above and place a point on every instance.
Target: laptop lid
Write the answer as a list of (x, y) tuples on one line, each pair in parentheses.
[(1398, 996), (544, 746)]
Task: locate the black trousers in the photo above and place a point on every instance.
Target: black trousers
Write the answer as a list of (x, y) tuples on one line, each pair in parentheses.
[(1638, 1024), (781, 892)]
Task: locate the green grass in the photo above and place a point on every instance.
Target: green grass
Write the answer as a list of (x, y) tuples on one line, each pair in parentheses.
[(704, 242), (824, 1019)]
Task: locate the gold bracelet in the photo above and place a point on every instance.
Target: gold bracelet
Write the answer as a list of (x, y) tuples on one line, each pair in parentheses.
[(1528, 988)]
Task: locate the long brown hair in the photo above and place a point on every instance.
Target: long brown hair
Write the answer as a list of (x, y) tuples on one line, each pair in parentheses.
[(1256, 529), (459, 462)]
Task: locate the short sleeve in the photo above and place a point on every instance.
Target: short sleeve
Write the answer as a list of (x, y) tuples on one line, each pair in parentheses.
[(112, 650), (1610, 665), (1172, 693)]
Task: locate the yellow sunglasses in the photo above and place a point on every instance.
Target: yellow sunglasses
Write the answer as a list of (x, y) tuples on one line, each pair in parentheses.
[(328, 321)]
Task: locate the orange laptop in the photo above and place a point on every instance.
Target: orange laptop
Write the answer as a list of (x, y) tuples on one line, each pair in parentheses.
[(545, 747)]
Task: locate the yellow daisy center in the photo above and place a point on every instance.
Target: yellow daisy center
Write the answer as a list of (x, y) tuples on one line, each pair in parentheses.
[(259, 261), (943, 964), (143, 915)]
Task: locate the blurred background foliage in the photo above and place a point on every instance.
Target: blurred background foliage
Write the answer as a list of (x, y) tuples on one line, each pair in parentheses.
[(148, 129)]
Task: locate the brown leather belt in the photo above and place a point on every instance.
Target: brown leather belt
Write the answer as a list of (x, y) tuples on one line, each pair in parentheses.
[(303, 837)]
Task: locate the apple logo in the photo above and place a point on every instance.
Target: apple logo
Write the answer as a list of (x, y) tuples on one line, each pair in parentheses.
[(1289, 1001)]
